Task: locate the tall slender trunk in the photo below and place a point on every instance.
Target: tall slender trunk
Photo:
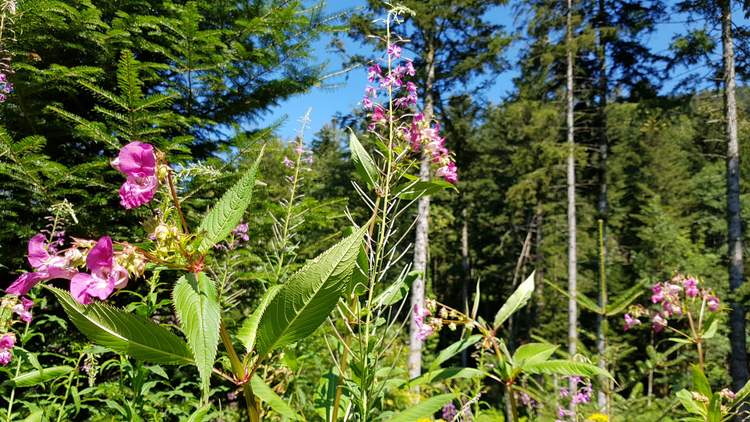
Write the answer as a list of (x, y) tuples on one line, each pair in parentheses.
[(572, 260), (738, 363), (421, 241), (603, 202)]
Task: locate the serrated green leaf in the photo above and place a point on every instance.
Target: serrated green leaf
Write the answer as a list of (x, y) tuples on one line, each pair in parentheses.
[(424, 409), (517, 300), (40, 376), (364, 164), (395, 292), (249, 330), (532, 353), (453, 350), (443, 374), (268, 396), (565, 367), (228, 212), (306, 299), (198, 311), (419, 188), (125, 332)]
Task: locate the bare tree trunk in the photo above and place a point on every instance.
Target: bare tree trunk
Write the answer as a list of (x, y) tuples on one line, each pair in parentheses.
[(466, 269), (572, 260), (421, 242), (602, 203), (738, 362)]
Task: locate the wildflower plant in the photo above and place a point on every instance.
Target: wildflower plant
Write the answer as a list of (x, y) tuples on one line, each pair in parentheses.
[(98, 268)]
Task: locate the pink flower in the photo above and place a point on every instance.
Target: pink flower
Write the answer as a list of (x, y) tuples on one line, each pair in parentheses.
[(137, 162), (423, 330), (658, 323), (410, 68), (373, 72), (371, 91), (287, 162), (691, 287), (449, 172), (106, 275), (23, 309), (7, 342), (631, 322), (394, 51), (46, 266), (367, 103), (658, 293), (713, 303)]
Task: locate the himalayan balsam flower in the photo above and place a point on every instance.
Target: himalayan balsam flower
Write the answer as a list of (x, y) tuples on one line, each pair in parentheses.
[(137, 162), (106, 275), (658, 323), (631, 322), (713, 303), (6, 346), (46, 265), (23, 309), (657, 293), (424, 330), (691, 287)]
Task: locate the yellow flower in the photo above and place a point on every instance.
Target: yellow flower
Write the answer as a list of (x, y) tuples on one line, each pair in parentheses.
[(598, 417)]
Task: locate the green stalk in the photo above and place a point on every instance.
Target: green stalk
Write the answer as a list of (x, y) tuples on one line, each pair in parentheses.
[(239, 370), (289, 207), (13, 391)]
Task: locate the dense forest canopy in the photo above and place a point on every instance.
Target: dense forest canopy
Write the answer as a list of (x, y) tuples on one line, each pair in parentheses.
[(572, 250)]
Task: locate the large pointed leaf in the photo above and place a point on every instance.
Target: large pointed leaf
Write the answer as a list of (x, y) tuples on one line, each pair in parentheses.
[(532, 353), (40, 376), (364, 164), (582, 299), (198, 311), (700, 382), (424, 409), (624, 300), (249, 330), (443, 374), (267, 395), (228, 212), (516, 301), (305, 301), (125, 332), (453, 350), (565, 367)]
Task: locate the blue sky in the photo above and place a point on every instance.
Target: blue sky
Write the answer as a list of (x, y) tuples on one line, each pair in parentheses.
[(343, 93)]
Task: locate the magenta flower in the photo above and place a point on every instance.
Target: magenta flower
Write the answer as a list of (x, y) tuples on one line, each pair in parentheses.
[(137, 162), (631, 322), (47, 266), (658, 293), (658, 323), (7, 342), (241, 232), (106, 275), (23, 309), (691, 287), (424, 330), (367, 103), (374, 72), (449, 172), (713, 303), (449, 412), (394, 51)]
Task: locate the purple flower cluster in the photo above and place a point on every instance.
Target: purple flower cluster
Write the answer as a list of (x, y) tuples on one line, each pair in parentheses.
[(21, 307), (449, 412), (5, 87), (106, 273), (580, 395), (424, 329), (137, 161), (420, 134), (673, 298)]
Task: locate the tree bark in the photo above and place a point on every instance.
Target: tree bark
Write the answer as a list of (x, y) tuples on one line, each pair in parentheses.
[(603, 202), (421, 241), (571, 173), (466, 269), (738, 362)]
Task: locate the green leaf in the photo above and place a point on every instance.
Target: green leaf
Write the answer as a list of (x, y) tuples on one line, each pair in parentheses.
[(198, 311), (700, 382), (443, 374), (532, 353), (419, 188), (364, 164), (395, 292), (581, 299), (741, 395), (516, 301), (306, 299), (565, 367), (249, 330), (40, 376), (453, 350), (228, 212), (268, 396), (424, 409), (711, 330), (125, 332), (624, 300), (200, 414), (686, 399)]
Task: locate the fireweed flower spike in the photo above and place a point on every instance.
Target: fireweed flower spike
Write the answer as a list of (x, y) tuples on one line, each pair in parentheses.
[(46, 265), (137, 162), (106, 275)]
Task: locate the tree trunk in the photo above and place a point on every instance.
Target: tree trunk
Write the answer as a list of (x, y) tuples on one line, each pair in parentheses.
[(466, 269), (738, 363), (603, 202), (421, 241), (571, 170)]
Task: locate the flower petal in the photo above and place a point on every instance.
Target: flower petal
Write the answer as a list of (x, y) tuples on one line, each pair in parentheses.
[(25, 282), (136, 159), (38, 254), (100, 256), (79, 288)]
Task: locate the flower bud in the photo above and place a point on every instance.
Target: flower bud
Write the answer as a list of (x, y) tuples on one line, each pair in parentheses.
[(161, 232)]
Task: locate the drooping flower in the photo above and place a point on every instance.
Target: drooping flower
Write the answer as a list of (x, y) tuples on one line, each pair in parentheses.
[(631, 322), (106, 275), (658, 323), (46, 265), (137, 161), (424, 330), (449, 172), (7, 341), (713, 303), (657, 293), (23, 309)]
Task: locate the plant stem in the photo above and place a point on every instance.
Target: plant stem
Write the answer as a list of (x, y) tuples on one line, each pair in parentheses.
[(289, 208), (253, 412), (13, 391), (176, 201), (67, 389)]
